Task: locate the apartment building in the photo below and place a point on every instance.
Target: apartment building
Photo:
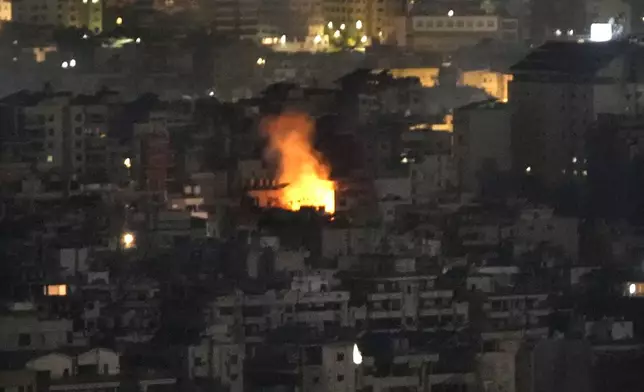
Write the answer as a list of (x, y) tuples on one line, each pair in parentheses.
[(557, 93), (59, 131), (377, 17), (452, 30), (76, 13), (481, 146), (255, 315)]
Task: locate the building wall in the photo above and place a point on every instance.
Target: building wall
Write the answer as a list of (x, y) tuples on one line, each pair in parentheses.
[(77, 13), (30, 333), (482, 136), (58, 365), (107, 361), (444, 33), (338, 367), (18, 380), (494, 83)]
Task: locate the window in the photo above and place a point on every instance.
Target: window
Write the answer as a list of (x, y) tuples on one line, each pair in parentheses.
[(79, 158), (106, 369), (70, 337), (340, 357), (78, 131), (78, 144), (340, 377), (490, 23), (50, 131), (24, 339), (233, 359)]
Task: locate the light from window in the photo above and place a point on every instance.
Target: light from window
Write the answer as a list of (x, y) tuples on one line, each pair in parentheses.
[(55, 290)]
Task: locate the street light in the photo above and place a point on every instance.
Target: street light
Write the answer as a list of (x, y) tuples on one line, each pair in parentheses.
[(283, 39), (330, 25), (450, 13), (72, 63), (357, 355), (127, 162), (64, 65), (343, 26), (359, 24), (261, 61), (336, 34), (128, 240), (317, 39), (119, 21), (363, 39)]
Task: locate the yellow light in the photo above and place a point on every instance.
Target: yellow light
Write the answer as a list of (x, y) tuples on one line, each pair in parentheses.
[(128, 240), (363, 39), (343, 26), (127, 162), (330, 25), (119, 21), (317, 39), (261, 61), (283, 39), (55, 290), (450, 13), (336, 34), (359, 24)]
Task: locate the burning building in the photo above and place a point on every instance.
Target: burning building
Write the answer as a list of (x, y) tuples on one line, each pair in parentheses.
[(303, 177)]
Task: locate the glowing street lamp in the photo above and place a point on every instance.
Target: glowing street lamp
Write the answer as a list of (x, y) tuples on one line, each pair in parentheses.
[(357, 355), (336, 34), (359, 24), (128, 240), (261, 61), (317, 39), (363, 39), (283, 39), (343, 26), (64, 65), (119, 21), (72, 63), (127, 162), (450, 13), (329, 25)]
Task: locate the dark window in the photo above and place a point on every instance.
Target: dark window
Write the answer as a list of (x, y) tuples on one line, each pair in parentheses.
[(78, 131), (340, 377), (70, 337), (24, 339), (340, 357), (50, 131), (78, 117)]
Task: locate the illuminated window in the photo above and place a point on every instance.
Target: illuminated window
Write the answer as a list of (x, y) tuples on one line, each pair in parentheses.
[(55, 290)]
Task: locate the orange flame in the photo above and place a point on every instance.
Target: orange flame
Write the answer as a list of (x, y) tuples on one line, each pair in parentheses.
[(300, 167)]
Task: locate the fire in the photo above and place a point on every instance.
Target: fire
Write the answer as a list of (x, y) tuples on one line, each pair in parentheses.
[(300, 167)]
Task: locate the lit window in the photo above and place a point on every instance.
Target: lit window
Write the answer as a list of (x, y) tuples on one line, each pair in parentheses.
[(50, 158), (55, 290)]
